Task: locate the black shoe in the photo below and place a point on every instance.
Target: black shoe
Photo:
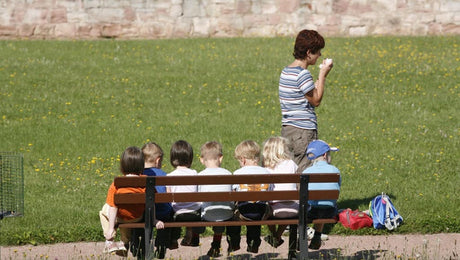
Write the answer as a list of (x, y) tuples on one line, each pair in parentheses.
[(194, 242), (274, 242), (253, 249), (292, 256), (232, 249), (160, 252), (213, 252), (315, 243), (173, 245)]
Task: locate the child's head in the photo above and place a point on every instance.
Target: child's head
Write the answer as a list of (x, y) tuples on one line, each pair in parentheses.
[(211, 151), (181, 154), (319, 150), (275, 151), (153, 155), (248, 151), (132, 161)]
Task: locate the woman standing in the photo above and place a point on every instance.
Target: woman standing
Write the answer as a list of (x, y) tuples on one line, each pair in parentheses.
[(299, 94)]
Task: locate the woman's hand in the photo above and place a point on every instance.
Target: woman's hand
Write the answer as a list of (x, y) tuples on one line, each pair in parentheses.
[(325, 67)]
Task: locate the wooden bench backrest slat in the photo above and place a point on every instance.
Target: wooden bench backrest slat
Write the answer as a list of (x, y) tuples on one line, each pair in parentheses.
[(223, 179), (139, 198), (129, 198)]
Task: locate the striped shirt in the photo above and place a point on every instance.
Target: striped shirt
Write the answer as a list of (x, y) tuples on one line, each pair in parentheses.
[(294, 83)]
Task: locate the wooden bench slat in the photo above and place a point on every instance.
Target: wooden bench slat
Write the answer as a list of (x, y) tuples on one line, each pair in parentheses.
[(223, 179), (138, 198), (232, 223), (129, 198)]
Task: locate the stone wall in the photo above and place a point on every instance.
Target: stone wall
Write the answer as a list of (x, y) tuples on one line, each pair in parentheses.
[(225, 18)]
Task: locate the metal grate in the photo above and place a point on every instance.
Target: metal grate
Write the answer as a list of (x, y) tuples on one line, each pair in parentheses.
[(11, 184)]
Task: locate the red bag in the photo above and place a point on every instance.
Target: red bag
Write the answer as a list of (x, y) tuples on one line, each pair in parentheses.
[(354, 219)]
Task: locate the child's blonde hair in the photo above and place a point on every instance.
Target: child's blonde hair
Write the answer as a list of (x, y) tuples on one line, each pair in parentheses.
[(248, 150), (152, 151), (276, 150), (211, 150)]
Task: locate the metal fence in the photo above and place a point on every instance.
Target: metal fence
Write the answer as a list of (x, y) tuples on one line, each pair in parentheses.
[(11, 184)]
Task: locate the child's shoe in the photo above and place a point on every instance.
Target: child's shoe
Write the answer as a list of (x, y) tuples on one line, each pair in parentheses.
[(273, 241), (214, 252), (160, 252), (194, 241), (115, 247), (233, 248), (315, 243), (173, 245), (253, 249)]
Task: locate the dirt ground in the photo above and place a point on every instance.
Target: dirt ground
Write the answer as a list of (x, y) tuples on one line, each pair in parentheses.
[(414, 246)]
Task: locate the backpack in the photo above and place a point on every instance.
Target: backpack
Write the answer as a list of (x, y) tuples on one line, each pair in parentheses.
[(384, 214), (354, 219)]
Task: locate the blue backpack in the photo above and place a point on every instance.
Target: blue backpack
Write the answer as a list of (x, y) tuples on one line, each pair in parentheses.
[(383, 213)]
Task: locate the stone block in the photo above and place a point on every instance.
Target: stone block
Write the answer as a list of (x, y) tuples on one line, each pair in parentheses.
[(44, 30), (5, 16), (192, 8), (8, 30), (17, 15), (243, 7), (288, 6), (58, 15), (450, 6), (111, 30), (105, 15), (200, 27), (129, 14), (35, 16), (26, 30), (65, 30), (322, 6), (176, 11), (357, 31)]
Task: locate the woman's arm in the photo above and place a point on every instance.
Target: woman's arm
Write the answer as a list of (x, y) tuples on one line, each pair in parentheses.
[(315, 96)]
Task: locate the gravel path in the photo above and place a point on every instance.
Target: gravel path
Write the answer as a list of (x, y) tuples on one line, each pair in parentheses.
[(414, 246)]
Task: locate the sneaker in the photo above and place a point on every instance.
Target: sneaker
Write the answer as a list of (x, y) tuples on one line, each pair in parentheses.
[(122, 251), (274, 242), (110, 247), (115, 247), (310, 233), (213, 252), (315, 243)]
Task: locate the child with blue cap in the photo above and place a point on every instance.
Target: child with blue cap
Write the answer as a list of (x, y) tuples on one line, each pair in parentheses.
[(319, 152)]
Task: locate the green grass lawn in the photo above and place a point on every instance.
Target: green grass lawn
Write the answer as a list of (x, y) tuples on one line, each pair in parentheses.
[(71, 107)]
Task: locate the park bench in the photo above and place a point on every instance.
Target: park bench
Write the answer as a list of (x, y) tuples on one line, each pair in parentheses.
[(151, 197)]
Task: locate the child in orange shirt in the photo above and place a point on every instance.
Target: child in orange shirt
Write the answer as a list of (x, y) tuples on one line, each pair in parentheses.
[(131, 164)]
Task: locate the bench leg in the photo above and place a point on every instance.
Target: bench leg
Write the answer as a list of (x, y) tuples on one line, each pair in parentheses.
[(292, 242)]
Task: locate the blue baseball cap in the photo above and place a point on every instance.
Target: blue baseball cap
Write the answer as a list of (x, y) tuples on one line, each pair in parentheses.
[(318, 148)]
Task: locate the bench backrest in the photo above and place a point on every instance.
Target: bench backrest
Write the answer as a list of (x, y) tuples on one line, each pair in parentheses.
[(150, 182)]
